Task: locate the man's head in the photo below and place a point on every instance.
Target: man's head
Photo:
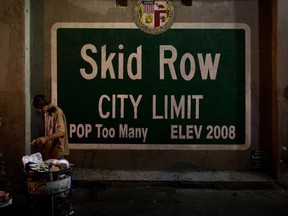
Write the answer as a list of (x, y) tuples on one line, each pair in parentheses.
[(40, 103)]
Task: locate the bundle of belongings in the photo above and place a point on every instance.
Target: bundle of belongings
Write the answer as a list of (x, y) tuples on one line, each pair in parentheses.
[(5, 199), (34, 164), (47, 177), (52, 178)]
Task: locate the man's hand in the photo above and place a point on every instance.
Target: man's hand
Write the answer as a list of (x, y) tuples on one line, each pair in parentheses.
[(40, 140)]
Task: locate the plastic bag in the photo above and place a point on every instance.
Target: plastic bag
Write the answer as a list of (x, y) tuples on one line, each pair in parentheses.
[(35, 158)]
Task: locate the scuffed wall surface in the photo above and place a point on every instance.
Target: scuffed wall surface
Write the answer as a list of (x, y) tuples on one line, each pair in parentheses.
[(12, 25), (283, 139), (282, 56), (12, 87), (12, 99), (211, 11)]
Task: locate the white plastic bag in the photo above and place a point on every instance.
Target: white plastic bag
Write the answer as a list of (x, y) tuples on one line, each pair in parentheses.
[(35, 158)]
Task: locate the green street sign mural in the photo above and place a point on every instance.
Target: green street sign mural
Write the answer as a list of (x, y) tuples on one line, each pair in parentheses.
[(187, 88)]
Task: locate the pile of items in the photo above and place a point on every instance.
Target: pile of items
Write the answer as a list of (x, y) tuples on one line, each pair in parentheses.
[(51, 165), (48, 184), (5, 199), (35, 164), (46, 177)]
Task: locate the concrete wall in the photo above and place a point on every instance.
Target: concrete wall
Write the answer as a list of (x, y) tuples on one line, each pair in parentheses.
[(12, 87), (200, 11), (19, 123), (282, 80)]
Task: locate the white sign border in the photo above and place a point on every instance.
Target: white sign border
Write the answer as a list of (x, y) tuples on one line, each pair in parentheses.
[(160, 146)]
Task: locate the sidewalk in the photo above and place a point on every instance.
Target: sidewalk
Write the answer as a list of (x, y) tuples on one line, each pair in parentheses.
[(173, 201), (257, 196)]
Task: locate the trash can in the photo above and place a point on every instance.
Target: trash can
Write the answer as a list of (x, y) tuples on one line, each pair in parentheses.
[(50, 192)]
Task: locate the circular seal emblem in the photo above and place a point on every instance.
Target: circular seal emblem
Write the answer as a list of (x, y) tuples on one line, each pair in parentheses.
[(154, 17)]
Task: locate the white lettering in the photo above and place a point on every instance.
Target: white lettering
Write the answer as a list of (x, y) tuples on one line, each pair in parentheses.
[(207, 67), (132, 133), (107, 66), (180, 108), (81, 130), (185, 131), (90, 60), (117, 101)]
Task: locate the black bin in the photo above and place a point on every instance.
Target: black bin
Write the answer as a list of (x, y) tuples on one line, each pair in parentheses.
[(50, 192)]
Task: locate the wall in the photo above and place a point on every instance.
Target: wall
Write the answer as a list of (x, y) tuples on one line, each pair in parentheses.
[(16, 88), (200, 11), (282, 80), (12, 87)]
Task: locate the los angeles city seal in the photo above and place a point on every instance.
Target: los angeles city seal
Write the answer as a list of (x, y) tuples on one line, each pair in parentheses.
[(154, 17)]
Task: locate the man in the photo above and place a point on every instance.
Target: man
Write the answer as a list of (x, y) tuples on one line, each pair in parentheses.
[(55, 141)]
